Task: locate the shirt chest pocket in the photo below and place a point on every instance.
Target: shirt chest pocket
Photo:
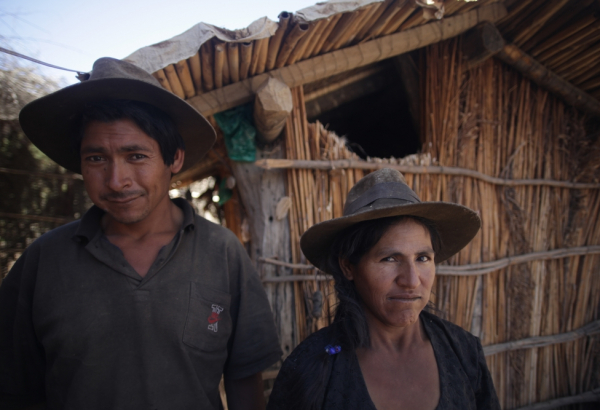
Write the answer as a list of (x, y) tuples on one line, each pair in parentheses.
[(208, 322)]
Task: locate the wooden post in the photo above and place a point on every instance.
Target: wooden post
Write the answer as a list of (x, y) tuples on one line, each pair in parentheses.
[(272, 105), (261, 191), (481, 43)]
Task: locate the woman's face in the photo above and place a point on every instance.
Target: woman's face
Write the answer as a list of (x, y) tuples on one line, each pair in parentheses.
[(395, 277)]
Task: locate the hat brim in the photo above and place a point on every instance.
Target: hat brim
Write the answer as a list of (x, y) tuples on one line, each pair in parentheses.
[(49, 121), (457, 225)]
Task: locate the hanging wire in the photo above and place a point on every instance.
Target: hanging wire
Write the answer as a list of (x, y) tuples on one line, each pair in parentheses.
[(14, 53)]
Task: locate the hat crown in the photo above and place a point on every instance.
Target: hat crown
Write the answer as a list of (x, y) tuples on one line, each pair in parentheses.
[(385, 184), (107, 67)]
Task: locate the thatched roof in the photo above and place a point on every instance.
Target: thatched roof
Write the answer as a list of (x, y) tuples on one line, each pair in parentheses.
[(562, 35)]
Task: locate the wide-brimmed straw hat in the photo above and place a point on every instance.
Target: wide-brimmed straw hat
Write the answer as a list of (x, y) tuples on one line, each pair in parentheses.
[(50, 121), (385, 193)]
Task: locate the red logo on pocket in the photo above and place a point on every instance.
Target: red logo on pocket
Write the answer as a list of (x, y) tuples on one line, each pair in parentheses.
[(213, 319)]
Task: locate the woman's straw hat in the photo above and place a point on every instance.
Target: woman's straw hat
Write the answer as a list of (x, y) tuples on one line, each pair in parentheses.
[(385, 193)]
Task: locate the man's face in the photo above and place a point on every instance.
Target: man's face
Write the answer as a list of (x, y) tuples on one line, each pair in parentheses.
[(124, 171)]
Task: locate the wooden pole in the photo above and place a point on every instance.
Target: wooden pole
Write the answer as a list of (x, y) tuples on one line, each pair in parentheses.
[(400, 17), (320, 27), (481, 43), (162, 79), (183, 72), (40, 218), (495, 265), (207, 58), (539, 74), (291, 40), (380, 9), (417, 169), (353, 28), (383, 20), (342, 28), (272, 107), (37, 174), (592, 328), (196, 68), (300, 48), (365, 20), (174, 82), (219, 62), (346, 59), (276, 39), (587, 397), (329, 27), (233, 55), (246, 57), (259, 60)]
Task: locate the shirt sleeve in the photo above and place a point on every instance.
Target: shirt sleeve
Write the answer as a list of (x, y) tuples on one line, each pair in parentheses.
[(302, 373), (485, 394), (254, 344), (22, 364)]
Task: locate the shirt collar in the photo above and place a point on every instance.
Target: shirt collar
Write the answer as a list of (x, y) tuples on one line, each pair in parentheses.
[(90, 223)]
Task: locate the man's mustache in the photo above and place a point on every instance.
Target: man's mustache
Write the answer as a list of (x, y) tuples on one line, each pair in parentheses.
[(121, 195)]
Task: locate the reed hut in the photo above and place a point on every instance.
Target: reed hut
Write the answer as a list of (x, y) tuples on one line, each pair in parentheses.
[(486, 103)]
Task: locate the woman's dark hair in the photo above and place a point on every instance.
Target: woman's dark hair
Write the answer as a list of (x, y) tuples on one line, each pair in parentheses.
[(154, 122), (349, 328)]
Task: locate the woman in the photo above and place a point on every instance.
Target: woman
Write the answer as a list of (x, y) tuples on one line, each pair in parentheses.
[(383, 350)]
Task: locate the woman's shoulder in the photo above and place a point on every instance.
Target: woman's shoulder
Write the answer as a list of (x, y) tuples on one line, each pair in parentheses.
[(464, 344), (450, 329), (302, 375), (314, 345)]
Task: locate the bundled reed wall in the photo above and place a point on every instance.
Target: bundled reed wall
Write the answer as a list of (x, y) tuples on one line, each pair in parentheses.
[(316, 196), (492, 120)]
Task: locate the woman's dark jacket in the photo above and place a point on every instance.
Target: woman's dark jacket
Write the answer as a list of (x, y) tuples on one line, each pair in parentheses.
[(465, 381)]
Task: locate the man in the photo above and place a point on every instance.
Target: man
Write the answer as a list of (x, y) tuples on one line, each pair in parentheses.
[(141, 304)]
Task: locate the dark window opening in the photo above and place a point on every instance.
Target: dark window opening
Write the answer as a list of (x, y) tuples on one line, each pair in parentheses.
[(373, 114)]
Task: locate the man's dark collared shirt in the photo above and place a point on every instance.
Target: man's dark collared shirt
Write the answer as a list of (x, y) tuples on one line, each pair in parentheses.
[(81, 328)]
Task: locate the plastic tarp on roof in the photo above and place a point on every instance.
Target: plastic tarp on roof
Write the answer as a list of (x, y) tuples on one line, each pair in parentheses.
[(185, 45)]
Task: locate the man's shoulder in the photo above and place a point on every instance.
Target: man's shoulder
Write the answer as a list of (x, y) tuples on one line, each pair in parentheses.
[(215, 233), (57, 236)]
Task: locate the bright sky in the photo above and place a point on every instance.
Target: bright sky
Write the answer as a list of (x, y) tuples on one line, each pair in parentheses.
[(74, 33)]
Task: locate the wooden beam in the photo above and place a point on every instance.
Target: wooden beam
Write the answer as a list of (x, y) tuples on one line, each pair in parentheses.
[(482, 268), (339, 96), (587, 397), (348, 58), (297, 278), (481, 43), (416, 169), (272, 106), (336, 85), (49, 175), (519, 60), (40, 218), (592, 328)]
